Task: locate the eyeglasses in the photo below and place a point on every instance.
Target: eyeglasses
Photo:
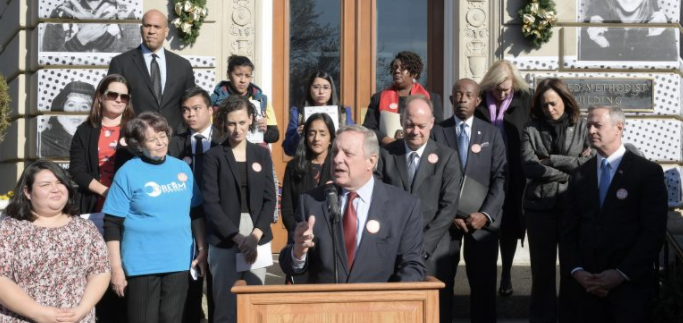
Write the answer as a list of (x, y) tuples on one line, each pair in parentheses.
[(111, 95), (317, 87)]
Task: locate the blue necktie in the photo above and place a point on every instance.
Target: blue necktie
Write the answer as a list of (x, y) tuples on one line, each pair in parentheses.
[(604, 180), (463, 144)]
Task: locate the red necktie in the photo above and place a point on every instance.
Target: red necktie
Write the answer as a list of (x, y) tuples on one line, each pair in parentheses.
[(350, 223)]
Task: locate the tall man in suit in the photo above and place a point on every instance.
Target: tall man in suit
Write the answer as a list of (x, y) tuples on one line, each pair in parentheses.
[(481, 151), (380, 233), (614, 226), (431, 172), (157, 77), (190, 147)]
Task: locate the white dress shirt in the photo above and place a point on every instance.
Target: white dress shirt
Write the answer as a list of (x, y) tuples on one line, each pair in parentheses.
[(161, 60)]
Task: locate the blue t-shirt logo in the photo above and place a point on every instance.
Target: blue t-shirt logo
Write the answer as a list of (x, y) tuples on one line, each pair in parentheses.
[(152, 189)]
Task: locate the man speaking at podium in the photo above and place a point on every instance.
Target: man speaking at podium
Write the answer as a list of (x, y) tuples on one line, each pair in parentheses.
[(378, 226)]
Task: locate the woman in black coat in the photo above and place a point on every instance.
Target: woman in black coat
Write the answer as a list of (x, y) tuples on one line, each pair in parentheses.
[(96, 153), (505, 101), (311, 164), (239, 202), (554, 143), (91, 166)]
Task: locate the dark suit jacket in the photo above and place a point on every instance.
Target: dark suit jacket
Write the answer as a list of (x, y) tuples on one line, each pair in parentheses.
[(392, 254), (179, 77), (626, 233), (221, 191), (514, 120), (84, 164), (436, 184), (293, 186), (488, 167), (181, 144)]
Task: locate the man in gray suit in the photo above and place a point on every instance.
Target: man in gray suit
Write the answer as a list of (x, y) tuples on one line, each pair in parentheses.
[(481, 151), (157, 77), (380, 233), (431, 172)]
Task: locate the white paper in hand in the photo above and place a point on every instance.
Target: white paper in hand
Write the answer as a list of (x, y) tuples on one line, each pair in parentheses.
[(264, 258), (256, 136)]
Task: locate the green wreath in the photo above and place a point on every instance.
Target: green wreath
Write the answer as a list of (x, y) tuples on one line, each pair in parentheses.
[(190, 16), (538, 18)]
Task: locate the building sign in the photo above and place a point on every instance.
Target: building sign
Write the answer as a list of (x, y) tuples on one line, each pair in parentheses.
[(632, 94)]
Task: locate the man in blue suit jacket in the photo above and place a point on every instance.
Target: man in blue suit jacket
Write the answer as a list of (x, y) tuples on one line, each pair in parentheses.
[(482, 158), (384, 242), (613, 228)]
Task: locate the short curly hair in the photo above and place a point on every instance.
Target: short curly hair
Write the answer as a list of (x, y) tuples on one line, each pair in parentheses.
[(411, 62)]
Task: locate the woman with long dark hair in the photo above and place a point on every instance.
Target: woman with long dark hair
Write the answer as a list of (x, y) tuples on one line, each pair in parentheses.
[(320, 91), (311, 164), (554, 143)]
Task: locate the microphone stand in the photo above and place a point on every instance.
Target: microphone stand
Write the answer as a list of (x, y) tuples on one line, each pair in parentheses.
[(332, 197), (335, 222)]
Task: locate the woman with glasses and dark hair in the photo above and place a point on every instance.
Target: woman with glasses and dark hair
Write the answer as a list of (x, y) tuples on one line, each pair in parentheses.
[(95, 155), (152, 214), (405, 69), (320, 91), (553, 144), (53, 264), (239, 201)]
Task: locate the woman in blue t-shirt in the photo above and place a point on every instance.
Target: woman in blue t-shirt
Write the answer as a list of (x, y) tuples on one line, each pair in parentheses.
[(152, 213)]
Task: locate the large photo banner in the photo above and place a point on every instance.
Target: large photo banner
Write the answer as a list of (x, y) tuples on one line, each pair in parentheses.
[(628, 43)]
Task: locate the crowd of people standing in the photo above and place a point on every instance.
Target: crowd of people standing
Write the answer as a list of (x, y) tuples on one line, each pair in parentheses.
[(186, 183)]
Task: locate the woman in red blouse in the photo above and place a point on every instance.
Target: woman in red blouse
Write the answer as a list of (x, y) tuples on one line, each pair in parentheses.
[(97, 151)]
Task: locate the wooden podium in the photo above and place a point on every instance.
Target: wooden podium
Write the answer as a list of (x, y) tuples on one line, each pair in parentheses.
[(371, 302)]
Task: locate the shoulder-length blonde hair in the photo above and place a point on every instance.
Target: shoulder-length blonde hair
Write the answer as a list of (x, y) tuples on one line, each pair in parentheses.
[(499, 72)]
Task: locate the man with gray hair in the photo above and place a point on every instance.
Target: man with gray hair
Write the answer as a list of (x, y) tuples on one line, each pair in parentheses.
[(430, 171), (613, 227), (380, 231)]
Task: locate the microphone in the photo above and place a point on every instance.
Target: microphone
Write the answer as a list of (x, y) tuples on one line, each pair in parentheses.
[(332, 199)]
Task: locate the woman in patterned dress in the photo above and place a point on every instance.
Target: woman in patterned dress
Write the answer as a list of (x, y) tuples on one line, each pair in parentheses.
[(53, 264)]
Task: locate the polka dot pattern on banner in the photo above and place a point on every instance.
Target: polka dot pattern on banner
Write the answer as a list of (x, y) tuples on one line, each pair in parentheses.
[(103, 59), (127, 9), (668, 88), (572, 62), (658, 139), (206, 79)]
